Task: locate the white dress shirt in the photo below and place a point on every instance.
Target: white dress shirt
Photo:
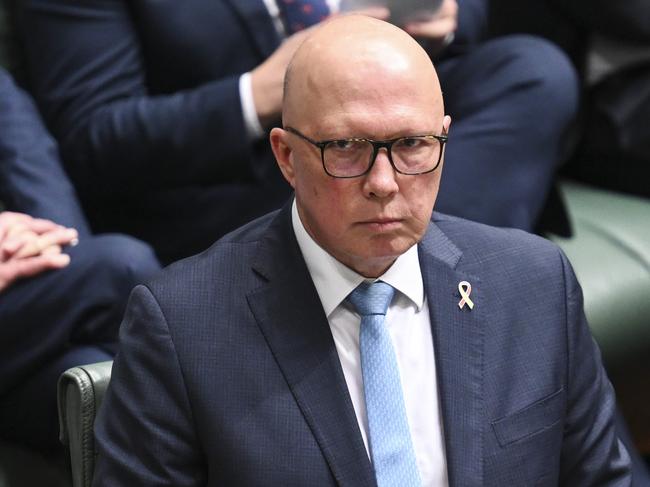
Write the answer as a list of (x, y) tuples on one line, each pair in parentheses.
[(409, 327)]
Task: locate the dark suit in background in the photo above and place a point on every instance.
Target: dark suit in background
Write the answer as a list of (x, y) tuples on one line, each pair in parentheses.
[(61, 318), (144, 99), (228, 371), (511, 99)]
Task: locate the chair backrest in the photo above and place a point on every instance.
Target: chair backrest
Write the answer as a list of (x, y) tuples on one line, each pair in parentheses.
[(80, 393)]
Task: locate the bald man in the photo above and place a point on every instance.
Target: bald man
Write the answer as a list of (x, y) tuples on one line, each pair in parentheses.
[(348, 338)]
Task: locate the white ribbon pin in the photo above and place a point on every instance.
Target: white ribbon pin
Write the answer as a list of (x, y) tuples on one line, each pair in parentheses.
[(465, 289)]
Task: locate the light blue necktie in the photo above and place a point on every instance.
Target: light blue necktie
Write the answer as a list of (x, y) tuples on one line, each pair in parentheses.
[(391, 449)]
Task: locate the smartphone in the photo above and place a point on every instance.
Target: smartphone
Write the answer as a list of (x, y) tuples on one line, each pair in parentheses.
[(401, 11), (405, 11)]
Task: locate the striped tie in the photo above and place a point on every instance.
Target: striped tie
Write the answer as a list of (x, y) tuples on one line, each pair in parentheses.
[(300, 14)]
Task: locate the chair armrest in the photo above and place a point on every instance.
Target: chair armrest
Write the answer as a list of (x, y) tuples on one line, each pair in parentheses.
[(610, 252), (80, 393)]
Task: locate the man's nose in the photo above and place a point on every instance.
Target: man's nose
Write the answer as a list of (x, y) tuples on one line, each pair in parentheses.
[(381, 180)]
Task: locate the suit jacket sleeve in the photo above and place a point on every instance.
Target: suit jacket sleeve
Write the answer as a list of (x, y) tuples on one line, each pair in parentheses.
[(89, 74), (591, 453), (32, 180), (146, 404)]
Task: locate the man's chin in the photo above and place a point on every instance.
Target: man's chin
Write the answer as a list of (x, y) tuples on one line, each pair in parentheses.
[(389, 245), (378, 256)]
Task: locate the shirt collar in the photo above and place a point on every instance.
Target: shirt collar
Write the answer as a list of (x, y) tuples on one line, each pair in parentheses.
[(334, 280)]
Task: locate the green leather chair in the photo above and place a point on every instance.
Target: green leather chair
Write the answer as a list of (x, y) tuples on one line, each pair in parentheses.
[(80, 393), (610, 252)]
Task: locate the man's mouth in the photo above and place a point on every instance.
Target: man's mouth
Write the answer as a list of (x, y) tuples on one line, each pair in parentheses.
[(382, 224)]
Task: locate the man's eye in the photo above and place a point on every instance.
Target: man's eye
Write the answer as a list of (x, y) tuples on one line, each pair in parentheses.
[(343, 144), (410, 143)]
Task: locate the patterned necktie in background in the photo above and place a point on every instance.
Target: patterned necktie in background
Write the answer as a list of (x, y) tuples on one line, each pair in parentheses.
[(392, 453), (300, 14)]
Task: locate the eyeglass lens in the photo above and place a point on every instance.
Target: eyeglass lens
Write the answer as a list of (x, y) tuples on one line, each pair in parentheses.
[(353, 157)]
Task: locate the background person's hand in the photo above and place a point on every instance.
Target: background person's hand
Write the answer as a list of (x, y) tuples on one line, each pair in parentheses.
[(439, 30), (14, 269), (29, 246), (377, 12), (22, 236), (12, 224), (267, 79), (29, 243)]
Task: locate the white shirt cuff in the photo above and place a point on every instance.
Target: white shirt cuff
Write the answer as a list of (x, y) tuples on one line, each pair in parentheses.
[(253, 127)]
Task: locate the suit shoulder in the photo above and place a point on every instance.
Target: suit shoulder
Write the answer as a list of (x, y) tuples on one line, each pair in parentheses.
[(482, 244), (221, 264)]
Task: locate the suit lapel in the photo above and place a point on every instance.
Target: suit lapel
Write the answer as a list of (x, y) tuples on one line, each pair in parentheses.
[(458, 345), (259, 24), (291, 317)]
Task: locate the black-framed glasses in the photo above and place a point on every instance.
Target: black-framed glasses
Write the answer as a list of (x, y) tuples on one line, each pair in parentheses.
[(354, 157)]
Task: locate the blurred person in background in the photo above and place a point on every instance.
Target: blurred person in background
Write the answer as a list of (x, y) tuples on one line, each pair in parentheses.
[(609, 44), (62, 289)]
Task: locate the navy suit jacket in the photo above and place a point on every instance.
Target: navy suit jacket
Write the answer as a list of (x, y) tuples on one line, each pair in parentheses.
[(228, 373)]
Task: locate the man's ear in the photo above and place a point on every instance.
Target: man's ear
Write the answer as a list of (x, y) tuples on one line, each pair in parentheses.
[(446, 123), (283, 153)]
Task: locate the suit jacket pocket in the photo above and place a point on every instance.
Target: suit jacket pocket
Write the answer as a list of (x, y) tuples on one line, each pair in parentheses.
[(531, 420)]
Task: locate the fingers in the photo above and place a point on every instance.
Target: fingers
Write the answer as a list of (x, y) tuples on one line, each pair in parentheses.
[(23, 236), (20, 268), (36, 265), (442, 25), (60, 236), (9, 219), (267, 79), (40, 225), (29, 246), (15, 245), (13, 224), (433, 29), (29, 243), (381, 13), (10, 216), (449, 8)]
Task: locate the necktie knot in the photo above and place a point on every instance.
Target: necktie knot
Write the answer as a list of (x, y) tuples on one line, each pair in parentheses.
[(372, 298)]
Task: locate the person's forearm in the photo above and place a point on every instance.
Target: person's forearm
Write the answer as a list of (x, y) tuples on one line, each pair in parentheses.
[(89, 76), (191, 137)]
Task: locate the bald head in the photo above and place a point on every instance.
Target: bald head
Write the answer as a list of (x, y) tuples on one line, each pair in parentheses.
[(355, 55)]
